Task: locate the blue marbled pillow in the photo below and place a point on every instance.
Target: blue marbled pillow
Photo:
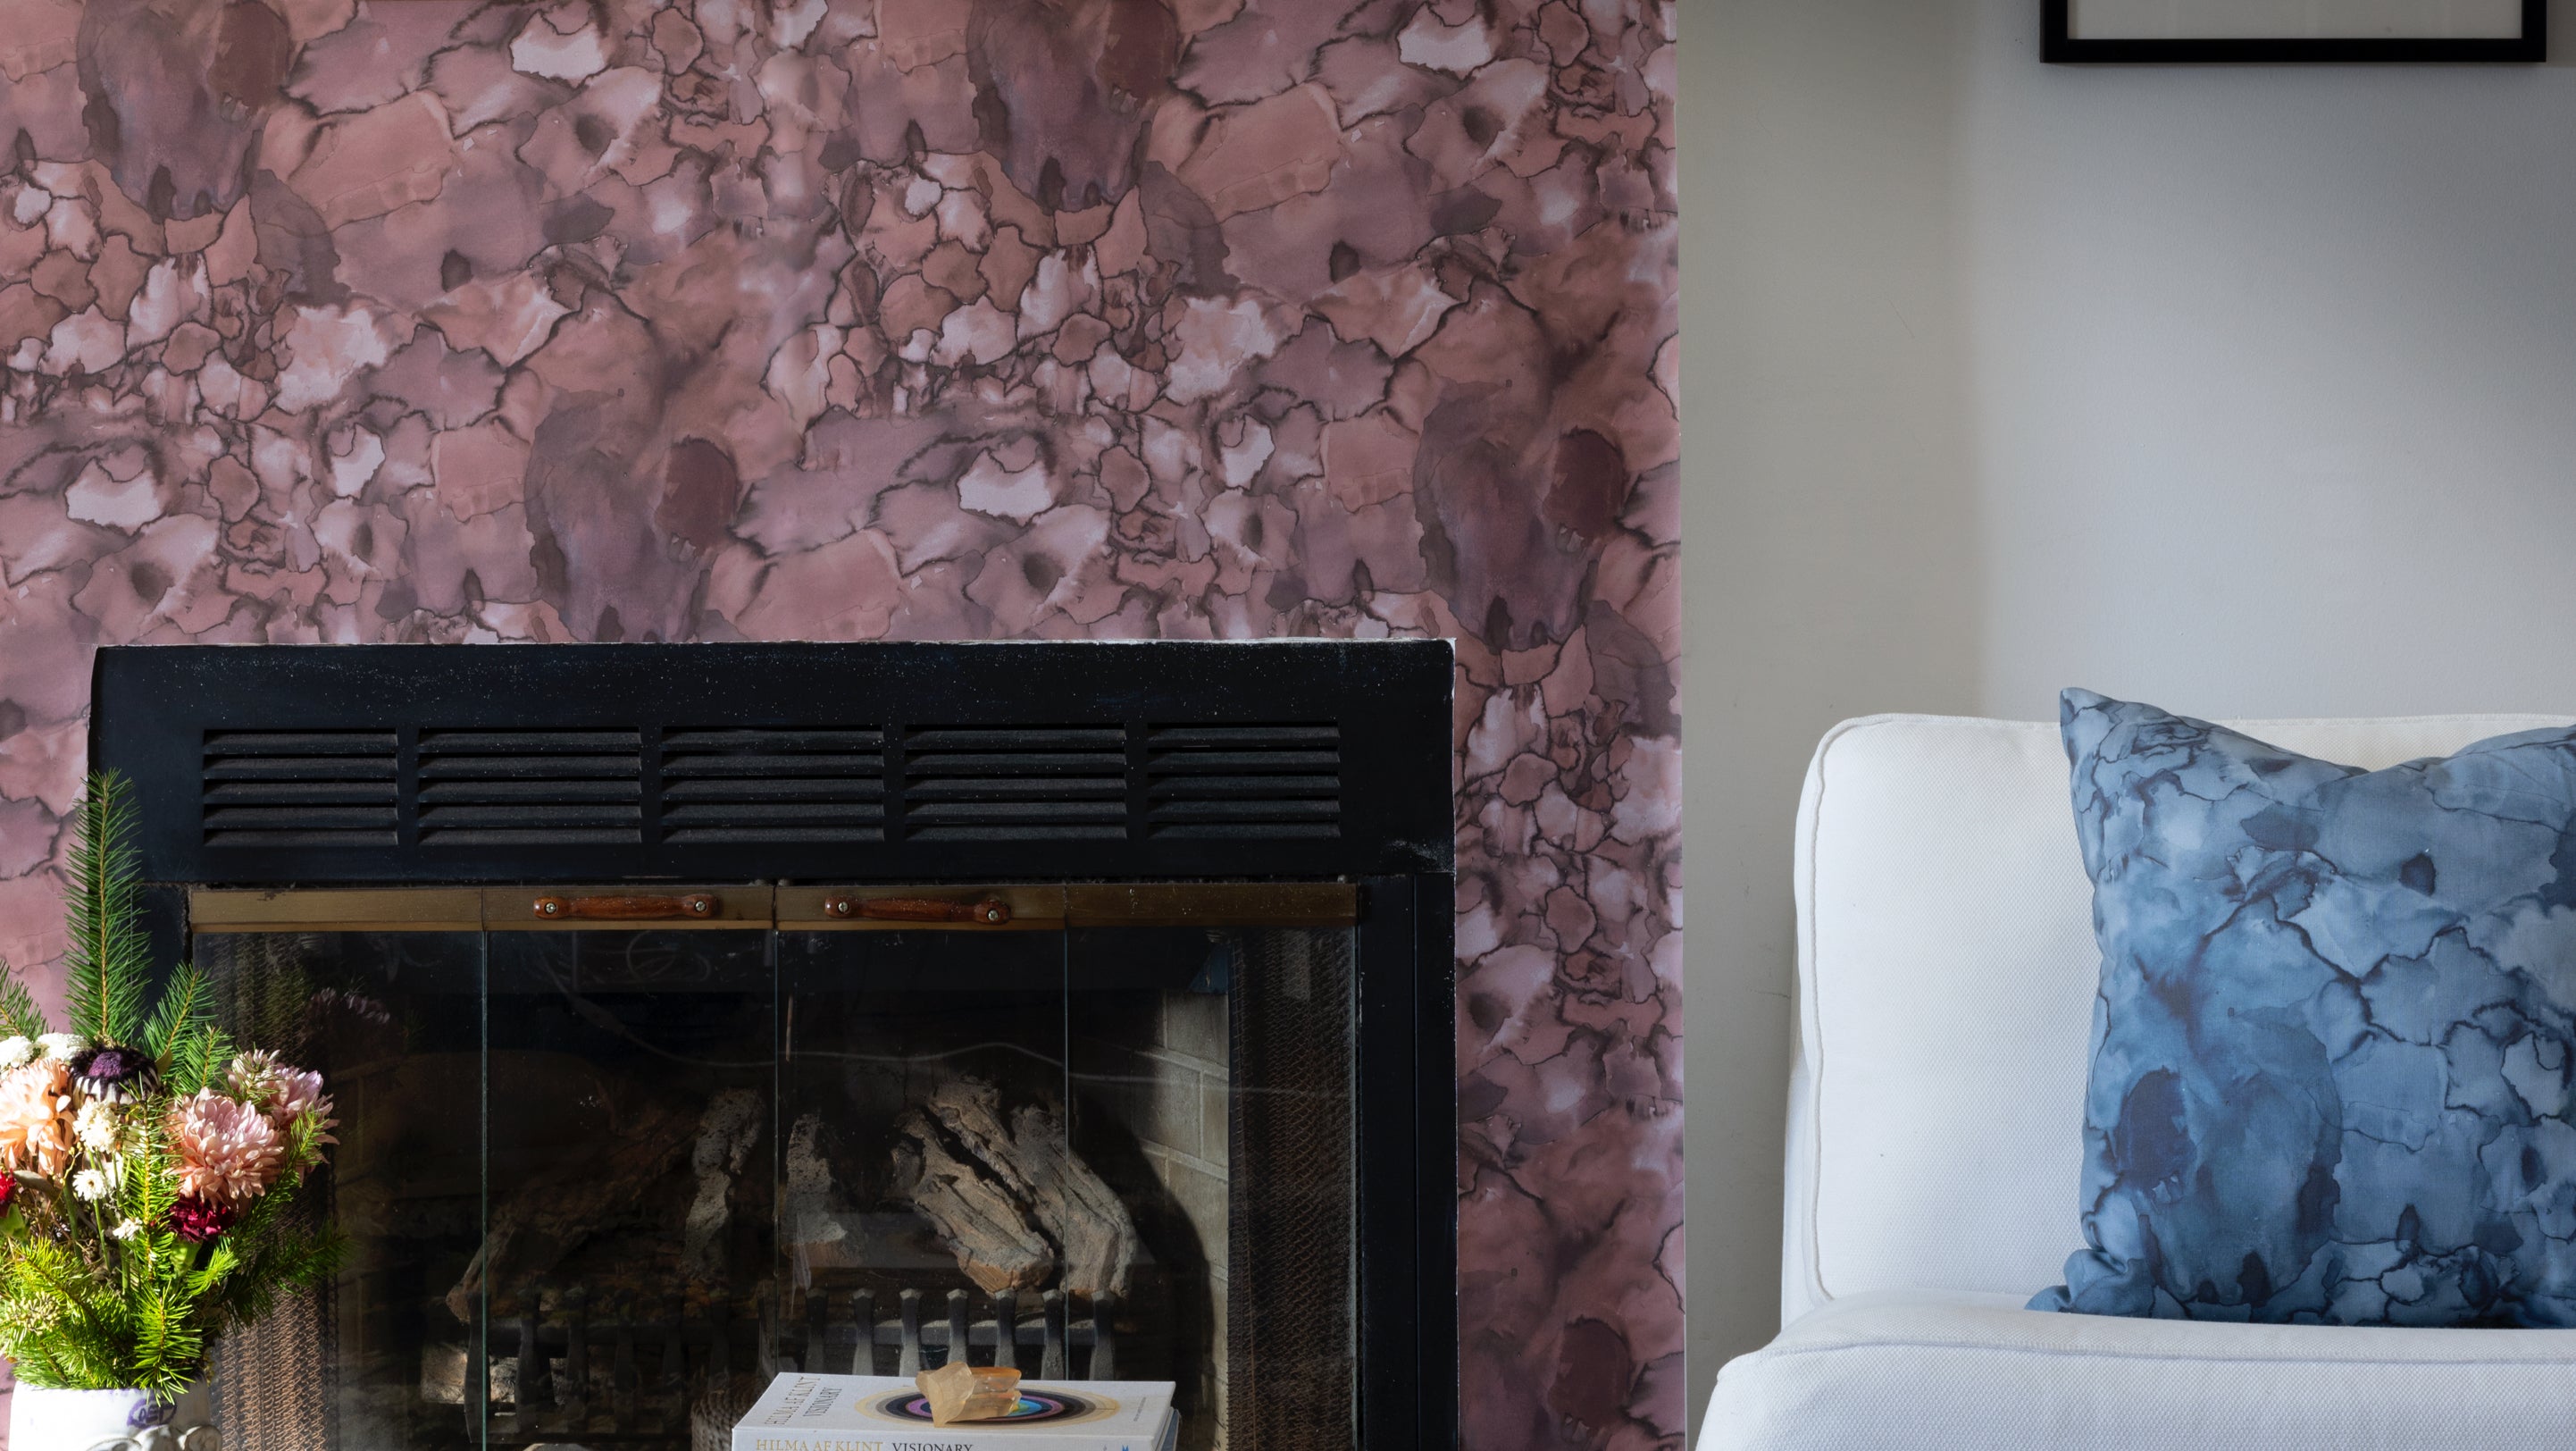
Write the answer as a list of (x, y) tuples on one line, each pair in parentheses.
[(2332, 1044)]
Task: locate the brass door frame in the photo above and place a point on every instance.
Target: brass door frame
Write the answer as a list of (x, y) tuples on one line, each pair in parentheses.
[(1041, 907)]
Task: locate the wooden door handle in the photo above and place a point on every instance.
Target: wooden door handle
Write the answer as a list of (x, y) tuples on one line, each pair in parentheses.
[(991, 912), (695, 906)]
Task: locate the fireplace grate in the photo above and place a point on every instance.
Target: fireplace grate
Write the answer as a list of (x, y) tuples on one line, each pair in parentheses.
[(1245, 780), (485, 788), (773, 784), (554, 1374), (300, 788), (1015, 783), (776, 785)]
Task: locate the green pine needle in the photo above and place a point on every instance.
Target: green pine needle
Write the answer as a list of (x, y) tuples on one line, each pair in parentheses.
[(19, 1015), (186, 1006), (108, 965), (198, 1058)]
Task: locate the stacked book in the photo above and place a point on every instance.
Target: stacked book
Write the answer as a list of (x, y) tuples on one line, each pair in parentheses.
[(884, 1413)]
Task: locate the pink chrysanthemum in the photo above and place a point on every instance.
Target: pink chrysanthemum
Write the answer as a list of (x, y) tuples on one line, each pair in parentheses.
[(299, 1093), (228, 1151), (36, 1117), (283, 1092)]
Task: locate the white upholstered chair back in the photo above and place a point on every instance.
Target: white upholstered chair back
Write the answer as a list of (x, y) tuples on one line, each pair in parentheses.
[(1945, 973)]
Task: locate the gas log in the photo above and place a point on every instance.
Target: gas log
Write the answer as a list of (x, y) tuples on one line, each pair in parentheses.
[(547, 1220), (974, 1215), (998, 1186), (727, 1132), (1007, 1196), (822, 1232)]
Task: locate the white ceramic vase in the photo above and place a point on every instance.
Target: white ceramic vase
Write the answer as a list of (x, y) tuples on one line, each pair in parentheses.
[(49, 1420)]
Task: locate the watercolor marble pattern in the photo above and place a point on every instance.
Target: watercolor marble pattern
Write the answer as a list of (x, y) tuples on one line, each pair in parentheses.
[(920, 319), (2332, 1045)]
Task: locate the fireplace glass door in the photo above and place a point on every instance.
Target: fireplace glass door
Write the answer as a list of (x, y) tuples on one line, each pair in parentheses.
[(598, 1185)]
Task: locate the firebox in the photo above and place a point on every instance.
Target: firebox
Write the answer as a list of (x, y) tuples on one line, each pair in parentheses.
[(699, 1012)]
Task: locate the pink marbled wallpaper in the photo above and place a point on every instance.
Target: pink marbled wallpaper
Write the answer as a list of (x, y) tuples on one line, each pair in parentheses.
[(433, 320)]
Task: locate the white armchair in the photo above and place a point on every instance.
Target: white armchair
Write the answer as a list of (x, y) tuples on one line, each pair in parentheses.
[(1946, 976)]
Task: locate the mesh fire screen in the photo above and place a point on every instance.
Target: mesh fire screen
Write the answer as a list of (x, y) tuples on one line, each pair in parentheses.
[(1288, 1342)]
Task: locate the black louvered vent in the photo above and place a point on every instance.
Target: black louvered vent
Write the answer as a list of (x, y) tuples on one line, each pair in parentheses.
[(299, 788), (768, 784), (884, 762), (1015, 783), (1244, 781), (531, 787)]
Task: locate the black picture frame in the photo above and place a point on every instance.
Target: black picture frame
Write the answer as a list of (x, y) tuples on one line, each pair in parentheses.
[(2057, 46)]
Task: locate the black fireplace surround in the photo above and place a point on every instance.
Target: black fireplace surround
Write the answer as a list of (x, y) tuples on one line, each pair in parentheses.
[(1130, 804)]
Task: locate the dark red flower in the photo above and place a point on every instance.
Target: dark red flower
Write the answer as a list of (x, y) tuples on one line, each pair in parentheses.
[(8, 1190), (197, 1220)]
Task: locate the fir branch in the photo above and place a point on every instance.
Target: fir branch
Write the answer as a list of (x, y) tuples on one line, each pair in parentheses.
[(219, 1266), (168, 1348), (78, 1332), (147, 1195), (283, 1263), (106, 967), (19, 1015), (186, 1006), (198, 1059), (151, 1187)]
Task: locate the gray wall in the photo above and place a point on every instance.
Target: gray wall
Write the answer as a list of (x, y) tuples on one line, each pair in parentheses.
[(2250, 391)]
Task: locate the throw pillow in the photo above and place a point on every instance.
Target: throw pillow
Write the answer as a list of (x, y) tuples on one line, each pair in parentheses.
[(2332, 1044)]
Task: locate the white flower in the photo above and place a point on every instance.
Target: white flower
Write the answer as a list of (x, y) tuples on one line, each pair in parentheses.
[(16, 1053), (61, 1045), (254, 1077), (127, 1228), (90, 1184), (99, 1127)]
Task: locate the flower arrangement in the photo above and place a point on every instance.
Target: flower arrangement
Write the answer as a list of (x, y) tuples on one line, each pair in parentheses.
[(148, 1166)]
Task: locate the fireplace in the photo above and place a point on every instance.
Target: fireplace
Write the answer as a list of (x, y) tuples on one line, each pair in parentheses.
[(702, 1012)]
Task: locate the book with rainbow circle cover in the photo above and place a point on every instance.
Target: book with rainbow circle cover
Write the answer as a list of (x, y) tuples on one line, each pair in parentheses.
[(802, 1412)]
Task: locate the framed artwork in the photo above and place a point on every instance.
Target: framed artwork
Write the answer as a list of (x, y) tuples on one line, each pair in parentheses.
[(2130, 32)]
